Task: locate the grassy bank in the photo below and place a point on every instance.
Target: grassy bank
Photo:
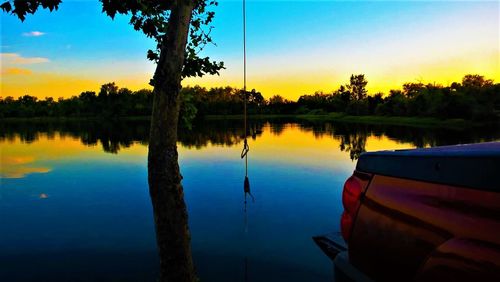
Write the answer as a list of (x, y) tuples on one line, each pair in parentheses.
[(64, 119), (340, 117), (406, 121)]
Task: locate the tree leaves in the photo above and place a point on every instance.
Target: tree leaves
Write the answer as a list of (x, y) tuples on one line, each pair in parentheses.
[(6, 7), (21, 8), (153, 56), (151, 17), (196, 66)]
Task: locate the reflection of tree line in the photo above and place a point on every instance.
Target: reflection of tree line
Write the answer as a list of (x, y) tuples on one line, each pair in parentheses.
[(218, 132), (114, 136), (111, 135), (353, 137)]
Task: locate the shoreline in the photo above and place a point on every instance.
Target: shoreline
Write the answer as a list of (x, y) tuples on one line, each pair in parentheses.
[(421, 122), (64, 119)]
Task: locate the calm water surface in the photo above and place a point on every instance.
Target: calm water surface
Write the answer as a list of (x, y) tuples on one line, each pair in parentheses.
[(74, 201)]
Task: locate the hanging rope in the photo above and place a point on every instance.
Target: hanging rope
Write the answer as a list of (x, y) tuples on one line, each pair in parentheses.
[(246, 148)]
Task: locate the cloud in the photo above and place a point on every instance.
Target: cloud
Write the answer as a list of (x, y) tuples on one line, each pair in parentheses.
[(16, 59), (33, 33), (16, 71)]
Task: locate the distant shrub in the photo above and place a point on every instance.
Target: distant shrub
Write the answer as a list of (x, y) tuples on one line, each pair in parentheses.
[(317, 112)]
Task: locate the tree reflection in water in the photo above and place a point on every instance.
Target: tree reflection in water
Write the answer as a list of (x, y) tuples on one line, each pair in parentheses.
[(113, 136)]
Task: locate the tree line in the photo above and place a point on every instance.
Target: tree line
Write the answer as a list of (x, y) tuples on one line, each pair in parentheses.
[(474, 98), (110, 101)]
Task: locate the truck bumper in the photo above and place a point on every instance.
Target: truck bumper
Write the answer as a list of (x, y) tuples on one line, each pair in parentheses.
[(334, 246)]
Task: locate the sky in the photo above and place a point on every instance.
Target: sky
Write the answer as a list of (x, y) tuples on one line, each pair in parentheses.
[(293, 47)]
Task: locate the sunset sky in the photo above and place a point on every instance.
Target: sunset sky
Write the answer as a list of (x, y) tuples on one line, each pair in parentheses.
[(294, 47)]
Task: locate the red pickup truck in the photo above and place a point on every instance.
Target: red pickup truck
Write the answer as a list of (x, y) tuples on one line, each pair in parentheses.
[(422, 215)]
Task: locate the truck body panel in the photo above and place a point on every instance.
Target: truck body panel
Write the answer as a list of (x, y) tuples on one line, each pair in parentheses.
[(401, 222), (423, 214)]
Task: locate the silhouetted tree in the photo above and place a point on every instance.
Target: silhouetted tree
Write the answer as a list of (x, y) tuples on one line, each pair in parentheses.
[(277, 100), (411, 89), (357, 87), (476, 81)]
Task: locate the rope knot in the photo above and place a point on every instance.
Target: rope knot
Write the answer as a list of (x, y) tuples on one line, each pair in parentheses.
[(246, 148)]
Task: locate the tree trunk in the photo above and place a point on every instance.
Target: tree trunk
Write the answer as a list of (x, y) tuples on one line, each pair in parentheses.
[(170, 214)]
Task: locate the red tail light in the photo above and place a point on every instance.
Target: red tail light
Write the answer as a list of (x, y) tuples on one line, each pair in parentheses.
[(351, 200)]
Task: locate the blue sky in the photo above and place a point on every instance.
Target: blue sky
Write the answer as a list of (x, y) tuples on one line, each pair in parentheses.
[(294, 47)]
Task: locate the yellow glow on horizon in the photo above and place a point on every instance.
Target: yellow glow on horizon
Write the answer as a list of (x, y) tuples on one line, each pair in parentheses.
[(290, 84), (20, 82)]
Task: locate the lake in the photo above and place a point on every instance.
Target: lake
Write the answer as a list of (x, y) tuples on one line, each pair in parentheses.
[(75, 206)]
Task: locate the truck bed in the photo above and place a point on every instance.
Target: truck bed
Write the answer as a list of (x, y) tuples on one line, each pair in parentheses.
[(473, 166)]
